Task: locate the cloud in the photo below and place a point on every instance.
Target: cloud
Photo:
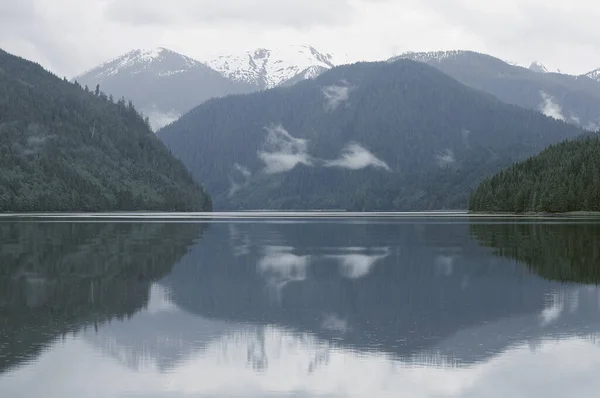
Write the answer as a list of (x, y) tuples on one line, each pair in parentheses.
[(239, 173), (446, 158), (557, 33), (159, 120), (288, 13), (355, 157), (283, 152), (551, 108), (335, 95)]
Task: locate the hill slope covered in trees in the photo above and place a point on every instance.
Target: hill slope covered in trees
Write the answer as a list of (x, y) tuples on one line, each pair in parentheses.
[(65, 149), (562, 178), (368, 136)]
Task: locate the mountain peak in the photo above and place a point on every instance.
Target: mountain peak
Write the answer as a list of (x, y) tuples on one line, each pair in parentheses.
[(538, 67), (428, 57), (140, 60), (268, 68), (595, 74)]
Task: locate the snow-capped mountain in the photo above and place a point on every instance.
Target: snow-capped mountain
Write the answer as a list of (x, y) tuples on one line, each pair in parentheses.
[(267, 68), (538, 67), (595, 74), (429, 57), (161, 83), (158, 61)]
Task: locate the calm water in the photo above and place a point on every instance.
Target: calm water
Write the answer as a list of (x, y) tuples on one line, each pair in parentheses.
[(330, 307)]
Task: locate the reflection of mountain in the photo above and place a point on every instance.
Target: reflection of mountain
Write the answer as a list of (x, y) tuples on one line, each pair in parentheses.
[(403, 288), (567, 252), (160, 337), (56, 278)]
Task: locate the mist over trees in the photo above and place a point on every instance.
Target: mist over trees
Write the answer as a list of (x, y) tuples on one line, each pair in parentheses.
[(368, 136)]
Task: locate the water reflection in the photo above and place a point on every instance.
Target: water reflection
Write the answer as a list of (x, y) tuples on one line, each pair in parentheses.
[(405, 308), (566, 251), (56, 278)]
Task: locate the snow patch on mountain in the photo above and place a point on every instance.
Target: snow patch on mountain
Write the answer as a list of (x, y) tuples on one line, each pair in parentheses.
[(141, 60), (427, 57), (538, 67), (595, 74), (267, 68)]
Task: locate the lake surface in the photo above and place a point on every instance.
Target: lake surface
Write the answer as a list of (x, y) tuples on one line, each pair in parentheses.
[(324, 305)]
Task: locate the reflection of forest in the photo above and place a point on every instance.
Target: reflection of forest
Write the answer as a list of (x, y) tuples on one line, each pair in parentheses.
[(567, 252), (56, 278)]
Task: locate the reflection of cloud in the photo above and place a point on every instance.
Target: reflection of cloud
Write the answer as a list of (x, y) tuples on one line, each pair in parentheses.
[(551, 313), (445, 264), (336, 95), (241, 242), (333, 323), (159, 300), (279, 266), (292, 362), (356, 157), (551, 108), (283, 152), (356, 266)]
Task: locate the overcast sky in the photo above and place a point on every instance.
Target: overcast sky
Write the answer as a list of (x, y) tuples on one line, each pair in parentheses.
[(70, 36)]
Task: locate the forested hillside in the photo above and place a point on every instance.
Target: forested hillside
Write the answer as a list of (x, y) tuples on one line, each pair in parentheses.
[(368, 136), (564, 177), (63, 148)]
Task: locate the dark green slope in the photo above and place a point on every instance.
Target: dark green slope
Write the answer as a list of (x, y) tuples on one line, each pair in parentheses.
[(58, 278), (63, 149), (565, 252), (430, 140), (564, 177)]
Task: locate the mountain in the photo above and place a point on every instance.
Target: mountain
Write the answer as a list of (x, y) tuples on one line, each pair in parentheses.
[(65, 149), (595, 74), (161, 83), (574, 99), (564, 177), (368, 136), (538, 67), (268, 68)]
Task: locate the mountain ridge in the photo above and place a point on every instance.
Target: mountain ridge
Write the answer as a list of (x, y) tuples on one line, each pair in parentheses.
[(63, 148), (268, 68), (574, 99), (366, 136)]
